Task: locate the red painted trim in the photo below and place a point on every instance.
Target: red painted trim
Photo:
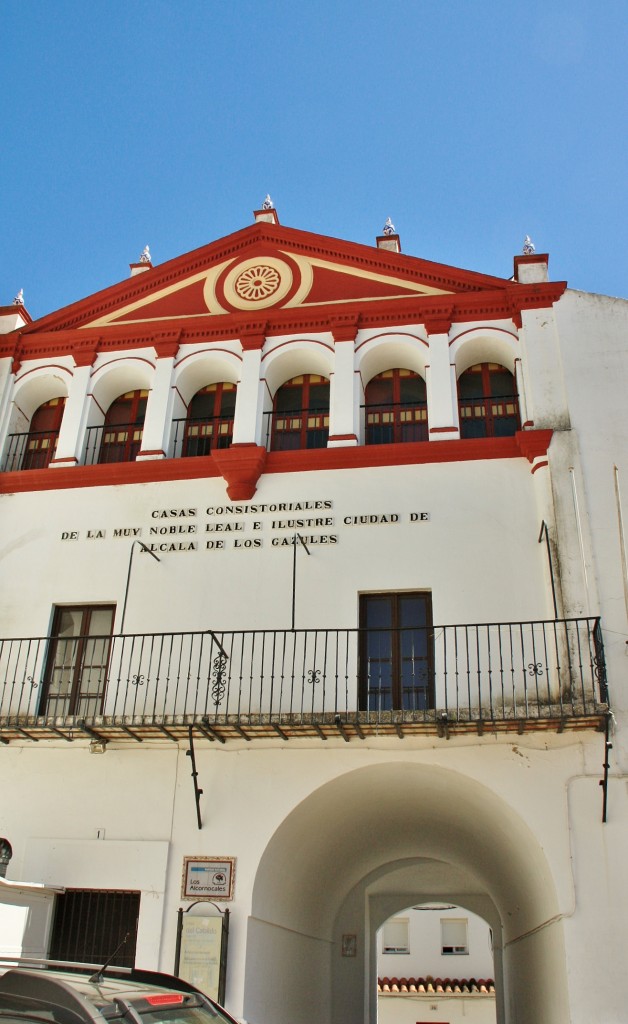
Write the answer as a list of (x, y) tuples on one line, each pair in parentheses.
[(150, 451), (241, 465), (539, 465), (473, 330), (528, 423), (15, 310), (123, 359), (211, 351), (252, 237), (98, 406), (309, 341), (58, 462), (533, 443), (246, 462), (344, 328), (153, 470), (443, 430), (493, 304), (343, 437), (391, 337), (48, 366)]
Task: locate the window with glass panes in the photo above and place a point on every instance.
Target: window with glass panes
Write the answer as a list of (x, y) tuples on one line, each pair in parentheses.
[(301, 414), (454, 936), (43, 434), (395, 408), (488, 405), (124, 426), (396, 651), (209, 422), (77, 662)]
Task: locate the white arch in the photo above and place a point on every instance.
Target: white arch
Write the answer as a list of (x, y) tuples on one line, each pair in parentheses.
[(40, 385), (114, 378), (376, 818), (389, 352), (484, 345), (293, 358), (200, 369)]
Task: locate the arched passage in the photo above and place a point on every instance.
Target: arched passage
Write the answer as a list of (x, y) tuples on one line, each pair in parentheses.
[(327, 866)]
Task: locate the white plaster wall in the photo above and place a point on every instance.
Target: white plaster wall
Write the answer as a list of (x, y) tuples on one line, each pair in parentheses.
[(424, 947), (403, 1009), (498, 575)]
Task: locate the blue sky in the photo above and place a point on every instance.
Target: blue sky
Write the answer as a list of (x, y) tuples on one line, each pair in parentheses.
[(470, 124)]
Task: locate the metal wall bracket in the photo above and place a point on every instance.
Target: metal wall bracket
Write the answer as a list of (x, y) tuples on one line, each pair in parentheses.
[(197, 791)]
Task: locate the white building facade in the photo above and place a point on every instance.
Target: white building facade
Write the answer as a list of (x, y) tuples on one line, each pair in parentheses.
[(386, 612)]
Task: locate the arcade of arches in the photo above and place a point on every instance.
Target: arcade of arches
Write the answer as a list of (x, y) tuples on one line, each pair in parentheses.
[(395, 411)]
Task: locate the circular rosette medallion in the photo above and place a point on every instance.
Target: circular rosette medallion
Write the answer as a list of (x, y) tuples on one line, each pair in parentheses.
[(257, 283)]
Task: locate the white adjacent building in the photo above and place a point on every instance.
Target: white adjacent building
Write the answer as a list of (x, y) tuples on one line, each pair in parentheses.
[(349, 527)]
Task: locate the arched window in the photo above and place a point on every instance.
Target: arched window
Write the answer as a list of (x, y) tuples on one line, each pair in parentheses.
[(124, 424), (43, 434), (209, 422), (487, 401), (396, 408), (301, 414)]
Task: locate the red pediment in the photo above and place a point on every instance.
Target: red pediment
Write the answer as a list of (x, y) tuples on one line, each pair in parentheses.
[(262, 270)]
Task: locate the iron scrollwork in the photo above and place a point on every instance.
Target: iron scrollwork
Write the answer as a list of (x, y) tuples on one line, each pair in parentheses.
[(218, 674)]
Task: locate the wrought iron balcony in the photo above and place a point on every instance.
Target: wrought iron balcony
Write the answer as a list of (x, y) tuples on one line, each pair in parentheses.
[(396, 422), (119, 442), (31, 450), (319, 682), (192, 437)]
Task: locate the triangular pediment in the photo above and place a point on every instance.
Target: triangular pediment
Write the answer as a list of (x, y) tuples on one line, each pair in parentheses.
[(266, 268)]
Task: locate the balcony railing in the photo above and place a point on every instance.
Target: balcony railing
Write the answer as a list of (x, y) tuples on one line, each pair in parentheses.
[(489, 417), (200, 436), (117, 443), (397, 422), (31, 450), (305, 682), (297, 429)]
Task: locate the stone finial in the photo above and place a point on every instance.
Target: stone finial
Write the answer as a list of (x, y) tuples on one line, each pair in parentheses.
[(389, 227), (145, 255), (19, 298), (268, 203), (529, 247)]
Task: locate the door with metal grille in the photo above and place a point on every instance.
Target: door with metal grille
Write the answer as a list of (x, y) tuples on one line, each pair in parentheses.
[(91, 924)]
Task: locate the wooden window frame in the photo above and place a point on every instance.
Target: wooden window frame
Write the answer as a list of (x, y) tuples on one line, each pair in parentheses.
[(82, 639), (367, 694)]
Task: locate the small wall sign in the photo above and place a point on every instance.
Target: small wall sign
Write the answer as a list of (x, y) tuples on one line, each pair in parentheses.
[(349, 945), (208, 878)]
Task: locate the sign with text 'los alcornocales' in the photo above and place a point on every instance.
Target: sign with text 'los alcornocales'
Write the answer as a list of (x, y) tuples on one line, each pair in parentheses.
[(208, 878)]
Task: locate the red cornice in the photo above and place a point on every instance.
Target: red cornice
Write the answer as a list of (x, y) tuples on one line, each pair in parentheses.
[(242, 469), (436, 311)]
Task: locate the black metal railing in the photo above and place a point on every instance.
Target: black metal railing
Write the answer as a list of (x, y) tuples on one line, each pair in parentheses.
[(200, 436), (489, 417), (296, 429), (395, 422), (461, 673), (120, 442), (31, 450)]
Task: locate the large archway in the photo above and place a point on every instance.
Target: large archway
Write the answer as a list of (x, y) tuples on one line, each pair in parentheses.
[(358, 847)]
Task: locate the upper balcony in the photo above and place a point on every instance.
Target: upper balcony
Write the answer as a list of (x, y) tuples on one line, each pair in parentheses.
[(303, 413), (349, 683)]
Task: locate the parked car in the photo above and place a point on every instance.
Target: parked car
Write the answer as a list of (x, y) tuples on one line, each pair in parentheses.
[(45, 992)]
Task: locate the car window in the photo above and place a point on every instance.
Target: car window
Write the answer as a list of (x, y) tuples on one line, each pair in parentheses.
[(185, 1015)]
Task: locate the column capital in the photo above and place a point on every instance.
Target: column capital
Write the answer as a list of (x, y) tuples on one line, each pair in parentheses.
[(344, 328), (252, 334), (438, 324)]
